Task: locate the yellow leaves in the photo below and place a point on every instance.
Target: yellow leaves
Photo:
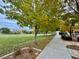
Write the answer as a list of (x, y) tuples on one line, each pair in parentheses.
[(42, 14), (25, 7), (76, 25), (63, 26)]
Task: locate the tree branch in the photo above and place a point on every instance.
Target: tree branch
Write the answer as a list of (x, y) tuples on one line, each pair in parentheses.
[(72, 8)]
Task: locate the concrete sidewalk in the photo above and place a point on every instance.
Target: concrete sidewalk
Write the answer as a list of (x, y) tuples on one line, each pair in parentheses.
[(56, 49)]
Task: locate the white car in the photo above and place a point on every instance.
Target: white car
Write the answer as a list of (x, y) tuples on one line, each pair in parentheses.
[(75, 36)]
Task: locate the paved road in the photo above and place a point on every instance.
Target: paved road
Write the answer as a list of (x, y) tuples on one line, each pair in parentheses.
[(55, 50)]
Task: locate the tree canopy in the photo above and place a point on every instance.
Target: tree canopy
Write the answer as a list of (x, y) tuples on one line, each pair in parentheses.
[(32, 11), (44, 15)]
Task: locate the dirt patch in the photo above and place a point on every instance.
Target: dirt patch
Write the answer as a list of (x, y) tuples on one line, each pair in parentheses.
[(74, 57), (25, 53), (42, 43), (73, 47)]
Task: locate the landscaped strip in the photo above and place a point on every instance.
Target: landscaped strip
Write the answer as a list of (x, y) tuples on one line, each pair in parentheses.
[(9, 43)]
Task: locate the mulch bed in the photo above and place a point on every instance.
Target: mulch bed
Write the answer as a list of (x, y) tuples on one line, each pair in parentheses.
[(74, 57), (73, 47), (25, 53)]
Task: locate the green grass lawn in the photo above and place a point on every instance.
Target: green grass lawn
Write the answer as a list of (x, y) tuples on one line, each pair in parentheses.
[(9, 42)]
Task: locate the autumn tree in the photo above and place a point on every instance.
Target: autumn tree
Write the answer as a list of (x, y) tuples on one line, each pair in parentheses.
[(70, 13), (39, 14)]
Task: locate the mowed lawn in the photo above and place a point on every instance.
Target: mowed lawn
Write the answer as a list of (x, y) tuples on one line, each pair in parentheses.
[(9, 42)]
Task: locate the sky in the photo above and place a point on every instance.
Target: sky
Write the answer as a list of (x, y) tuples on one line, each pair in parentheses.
[(1, 2), (12, 24)]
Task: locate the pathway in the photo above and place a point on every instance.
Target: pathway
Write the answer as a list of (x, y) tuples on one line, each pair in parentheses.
[(56, 49)]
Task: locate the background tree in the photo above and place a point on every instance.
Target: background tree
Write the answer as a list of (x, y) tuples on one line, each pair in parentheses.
[(73, 5), (5, 30), (70, 13)]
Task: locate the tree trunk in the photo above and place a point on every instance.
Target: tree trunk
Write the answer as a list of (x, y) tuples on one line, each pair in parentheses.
[(46, 32), (36, 32), (77, 4), (70, 30)]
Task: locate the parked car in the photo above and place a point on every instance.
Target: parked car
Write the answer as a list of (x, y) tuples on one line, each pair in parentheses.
[(65, 35), (75, 36), (61, 33)]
